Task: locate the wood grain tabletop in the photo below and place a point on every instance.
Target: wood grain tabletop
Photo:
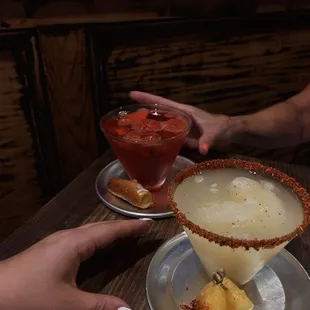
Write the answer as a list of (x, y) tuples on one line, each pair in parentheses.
[(121, 269)]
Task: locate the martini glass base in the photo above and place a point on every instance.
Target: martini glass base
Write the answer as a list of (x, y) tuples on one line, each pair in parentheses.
[(176, 276)]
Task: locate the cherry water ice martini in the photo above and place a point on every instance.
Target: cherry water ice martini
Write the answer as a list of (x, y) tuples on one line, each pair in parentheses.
[(146, 139)]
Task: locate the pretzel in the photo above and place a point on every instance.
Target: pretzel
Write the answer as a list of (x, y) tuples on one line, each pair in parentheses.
[(131, 191)]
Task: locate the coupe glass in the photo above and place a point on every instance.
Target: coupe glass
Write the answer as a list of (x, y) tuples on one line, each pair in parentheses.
[(148, 161)]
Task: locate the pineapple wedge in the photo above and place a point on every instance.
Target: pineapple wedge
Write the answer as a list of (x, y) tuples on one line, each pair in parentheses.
[(214, 297)]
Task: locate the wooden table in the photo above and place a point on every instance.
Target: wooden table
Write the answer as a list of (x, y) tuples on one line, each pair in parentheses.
[(121, 269)]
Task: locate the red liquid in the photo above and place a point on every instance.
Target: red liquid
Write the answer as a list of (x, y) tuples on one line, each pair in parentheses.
[(146, 143)]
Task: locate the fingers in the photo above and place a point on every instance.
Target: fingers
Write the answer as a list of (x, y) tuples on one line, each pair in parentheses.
[(98, 235), (196, 144), (203, 144), (192, 143), (205, 141), (204, 149), (103, 302), (146, 98)]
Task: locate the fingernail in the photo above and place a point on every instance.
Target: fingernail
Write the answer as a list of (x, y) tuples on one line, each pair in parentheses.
[(204, 148), (123, 308), (146, 219)]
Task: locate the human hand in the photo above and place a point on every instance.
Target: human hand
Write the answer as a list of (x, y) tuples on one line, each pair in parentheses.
[(212, 127), (44, 276)]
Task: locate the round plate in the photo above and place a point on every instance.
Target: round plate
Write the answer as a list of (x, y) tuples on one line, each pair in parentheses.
[(115, 169), (176, 276)]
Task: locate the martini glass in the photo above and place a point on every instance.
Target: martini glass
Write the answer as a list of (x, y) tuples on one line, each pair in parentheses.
[(240, 257), (146, 139)]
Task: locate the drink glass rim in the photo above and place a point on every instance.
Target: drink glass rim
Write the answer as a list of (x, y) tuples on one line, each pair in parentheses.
[(257, 244), (184, 114)]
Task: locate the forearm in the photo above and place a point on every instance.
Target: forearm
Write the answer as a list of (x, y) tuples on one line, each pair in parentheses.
[(284, 124)]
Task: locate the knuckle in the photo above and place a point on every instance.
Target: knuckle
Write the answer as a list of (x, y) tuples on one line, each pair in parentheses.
[(100, 306)]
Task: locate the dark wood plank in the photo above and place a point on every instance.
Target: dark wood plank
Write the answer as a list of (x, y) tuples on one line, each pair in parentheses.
[(20, 188), (39, 115), (54, 8), (68, 83), (232, 75), (22, 46), (36, 13), (108, 272)]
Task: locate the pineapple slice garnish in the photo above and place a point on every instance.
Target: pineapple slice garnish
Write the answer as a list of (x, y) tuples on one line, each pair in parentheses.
[(214, 297)]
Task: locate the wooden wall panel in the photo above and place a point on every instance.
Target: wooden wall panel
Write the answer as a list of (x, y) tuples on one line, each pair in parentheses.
[(20, 194), (236, 75), (31, 13), (69, 91)]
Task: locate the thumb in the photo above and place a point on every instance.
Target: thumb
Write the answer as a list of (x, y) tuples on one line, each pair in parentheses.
[(104, 302)]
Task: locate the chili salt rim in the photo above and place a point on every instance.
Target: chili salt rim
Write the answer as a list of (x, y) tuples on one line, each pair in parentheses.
[(246, 165)]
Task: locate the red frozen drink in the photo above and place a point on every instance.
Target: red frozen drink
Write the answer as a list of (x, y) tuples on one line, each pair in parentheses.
[(146, 139)]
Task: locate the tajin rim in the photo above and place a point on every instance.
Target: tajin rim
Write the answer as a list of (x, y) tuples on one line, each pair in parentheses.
[(257, 244)]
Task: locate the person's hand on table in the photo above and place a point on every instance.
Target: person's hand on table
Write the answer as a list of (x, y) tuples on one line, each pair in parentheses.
[(211, 126), (281, 125), (44, 276)]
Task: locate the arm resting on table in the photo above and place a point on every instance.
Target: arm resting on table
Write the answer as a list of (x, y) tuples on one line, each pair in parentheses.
[(284, 124)]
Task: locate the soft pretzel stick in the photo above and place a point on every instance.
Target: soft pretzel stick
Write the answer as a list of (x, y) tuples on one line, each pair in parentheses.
[(131, 191)]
